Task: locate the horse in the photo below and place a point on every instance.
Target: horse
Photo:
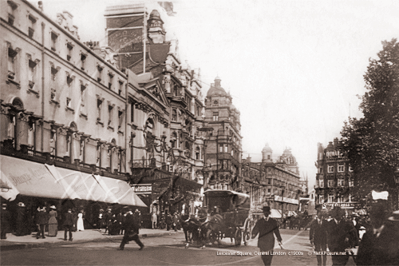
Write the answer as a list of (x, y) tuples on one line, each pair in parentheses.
[(191, 228)]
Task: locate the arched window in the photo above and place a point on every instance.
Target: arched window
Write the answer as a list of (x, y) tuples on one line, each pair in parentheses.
[(174, 115), (215, 103), (149, 125), (18, 103)]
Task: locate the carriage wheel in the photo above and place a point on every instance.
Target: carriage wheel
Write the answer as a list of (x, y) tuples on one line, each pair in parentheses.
[(246, 236), (238, 237)]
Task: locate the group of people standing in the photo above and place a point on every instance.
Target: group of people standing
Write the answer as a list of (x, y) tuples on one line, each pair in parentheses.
[(333, 232), (113, 221), (42, 220)]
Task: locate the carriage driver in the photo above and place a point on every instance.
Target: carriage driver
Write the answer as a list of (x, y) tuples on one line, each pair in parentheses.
[(266, 227)]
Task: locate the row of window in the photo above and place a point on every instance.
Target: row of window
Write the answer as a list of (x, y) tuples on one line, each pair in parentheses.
[(333, 199), (331, 168), (339, 183)]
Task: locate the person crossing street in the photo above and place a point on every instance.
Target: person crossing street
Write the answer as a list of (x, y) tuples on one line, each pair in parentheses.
[(131, 231)]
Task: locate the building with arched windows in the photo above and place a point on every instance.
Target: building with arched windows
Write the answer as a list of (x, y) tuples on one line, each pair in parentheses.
[(273, 182), (63, 114)]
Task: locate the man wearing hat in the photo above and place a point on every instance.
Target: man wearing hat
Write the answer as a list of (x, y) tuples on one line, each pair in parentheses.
[(41, 221), (266, 227), (131, 231), (379, 245)]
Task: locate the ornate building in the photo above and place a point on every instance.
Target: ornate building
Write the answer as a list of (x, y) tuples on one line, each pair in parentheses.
[(63, 112), (223, 148), (334, 178), (168, 150), (274, 183)]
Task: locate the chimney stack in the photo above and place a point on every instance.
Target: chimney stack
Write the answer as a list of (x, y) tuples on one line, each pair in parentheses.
[(40, 5)]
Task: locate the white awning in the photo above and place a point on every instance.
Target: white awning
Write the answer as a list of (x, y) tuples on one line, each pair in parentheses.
[(28, 178), (275, 213)]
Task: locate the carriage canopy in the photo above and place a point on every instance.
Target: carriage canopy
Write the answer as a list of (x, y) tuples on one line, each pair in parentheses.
[(227, 200)]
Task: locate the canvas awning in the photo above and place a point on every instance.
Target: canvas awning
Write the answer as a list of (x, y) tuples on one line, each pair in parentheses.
[(121, 191), (28, 178)]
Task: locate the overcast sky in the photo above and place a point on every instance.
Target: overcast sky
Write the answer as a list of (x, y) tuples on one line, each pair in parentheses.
[(294, 68)]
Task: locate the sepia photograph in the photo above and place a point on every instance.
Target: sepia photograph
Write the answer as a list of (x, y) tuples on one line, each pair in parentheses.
[(199, 132)]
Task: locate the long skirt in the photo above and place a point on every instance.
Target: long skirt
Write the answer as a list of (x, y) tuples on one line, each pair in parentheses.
[(52, 229)]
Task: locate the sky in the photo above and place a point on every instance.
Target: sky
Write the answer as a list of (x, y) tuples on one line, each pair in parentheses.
[(294, 68)]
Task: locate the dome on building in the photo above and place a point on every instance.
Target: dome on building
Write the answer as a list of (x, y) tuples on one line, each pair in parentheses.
[(216, 89), (267, 148), (155, 14)]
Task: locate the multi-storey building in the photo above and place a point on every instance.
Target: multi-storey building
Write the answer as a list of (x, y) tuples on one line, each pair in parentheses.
[(63, 112), (274, 183), (223, 148), (162, 153), (334, 178)]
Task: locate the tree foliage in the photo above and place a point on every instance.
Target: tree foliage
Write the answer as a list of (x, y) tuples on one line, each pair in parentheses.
[(372, 142)]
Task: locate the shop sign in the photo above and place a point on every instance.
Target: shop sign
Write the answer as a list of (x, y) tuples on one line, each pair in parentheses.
[(142, 188), (343, 205)]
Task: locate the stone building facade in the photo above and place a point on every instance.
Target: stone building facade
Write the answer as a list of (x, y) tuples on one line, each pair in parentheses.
[(64, 105), (275, 183), (334, 178)]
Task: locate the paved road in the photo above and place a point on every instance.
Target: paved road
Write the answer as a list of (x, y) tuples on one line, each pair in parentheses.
[(166, 250)]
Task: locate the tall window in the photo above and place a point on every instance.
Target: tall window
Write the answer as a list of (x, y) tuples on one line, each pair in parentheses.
[(11, 63), (330, 183), (54, 38), (120, 90), (341, 182), (99, 72), (221, 148), (11, 12), (82, 94), (99, 107), (341, 168), (32, 73), (131, 112), (330, 198), (226, 147), (110, 81), (215, 116), (83, 61), (32, 26), (174, 115), (321, 183), (120, 119), (69, 51), (197, 153), (110, 114)]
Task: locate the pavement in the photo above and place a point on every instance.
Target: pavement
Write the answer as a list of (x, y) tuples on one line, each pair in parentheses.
[(91, 235)]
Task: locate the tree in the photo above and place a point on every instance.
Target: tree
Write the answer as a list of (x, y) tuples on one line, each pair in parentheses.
[(372, 142)]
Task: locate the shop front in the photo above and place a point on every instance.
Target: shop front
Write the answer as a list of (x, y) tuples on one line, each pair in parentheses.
[(27, 185)]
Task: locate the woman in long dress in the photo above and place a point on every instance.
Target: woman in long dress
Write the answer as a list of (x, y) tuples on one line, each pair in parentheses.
[(80, 226), (52, 222)]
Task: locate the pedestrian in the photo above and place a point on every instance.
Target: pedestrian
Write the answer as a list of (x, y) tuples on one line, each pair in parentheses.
[(41, 221), (154, 220), (175, 221), (5, 220), (341, 236), (100, 223), (168, 220), (80, 224), (52, 222), (266, 227), (137, 220), (379, 245), (68, 224), (108, 220), (131, 231), (318, 238), (119, 219)]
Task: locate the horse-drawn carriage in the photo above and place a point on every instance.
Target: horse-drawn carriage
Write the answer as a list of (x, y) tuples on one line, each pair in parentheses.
[(227, 215)]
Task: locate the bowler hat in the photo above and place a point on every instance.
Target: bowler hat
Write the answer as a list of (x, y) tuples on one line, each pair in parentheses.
[(266, 209)]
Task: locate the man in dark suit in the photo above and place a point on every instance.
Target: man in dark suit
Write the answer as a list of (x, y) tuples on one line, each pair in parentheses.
[(318, 237), (341, 235), (5, 220), (41, 221), (68, 224), (131, 231), (266, 227)]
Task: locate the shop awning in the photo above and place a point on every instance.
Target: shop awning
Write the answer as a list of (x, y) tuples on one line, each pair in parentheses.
[(84, 186), (121, 191), (29, 179)]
